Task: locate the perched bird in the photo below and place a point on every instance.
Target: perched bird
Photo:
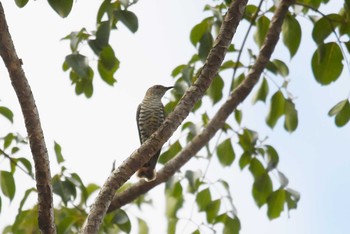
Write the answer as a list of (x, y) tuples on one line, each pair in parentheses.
[(150, 115)]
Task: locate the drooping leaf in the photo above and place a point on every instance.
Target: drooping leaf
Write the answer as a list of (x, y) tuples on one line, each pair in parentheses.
[(244, 160), (143, 227), (193, 178), (238, 116), (272, 157), (225, 152), (7, 113), (212, 210), (327, 63), (277, 107), (203, 199), (21, 3), (262, 189), (128, 18), (79, 63), (291, 32), (170, 153), (62, 7), (198, 31), (262, 92), (215, 89), (8, 186), (26, 163), (343, 116), (256, 168), (275, 203), (107, 65), (58, 152), (24, 199), (205, 45), (262, 26), (324, 27), (291, 116), (122, 220)]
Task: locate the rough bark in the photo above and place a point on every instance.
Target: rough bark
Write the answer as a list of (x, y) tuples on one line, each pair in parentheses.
[(217, 122), (33, 126), (119, 176)]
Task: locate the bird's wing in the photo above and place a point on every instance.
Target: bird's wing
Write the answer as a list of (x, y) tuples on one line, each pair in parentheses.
[(137, 121)]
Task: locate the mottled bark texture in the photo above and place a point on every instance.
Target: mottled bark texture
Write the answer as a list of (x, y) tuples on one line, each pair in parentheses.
[(236, 97), (192, 95), (32, 123)]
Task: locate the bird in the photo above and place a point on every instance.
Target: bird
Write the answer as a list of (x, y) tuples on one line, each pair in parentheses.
[(150, 115)]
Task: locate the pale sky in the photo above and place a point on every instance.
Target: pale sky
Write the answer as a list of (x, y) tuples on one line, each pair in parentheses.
[(95, 132)]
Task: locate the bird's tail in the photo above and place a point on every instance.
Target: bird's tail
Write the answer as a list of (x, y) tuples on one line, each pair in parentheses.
[(147, 173)]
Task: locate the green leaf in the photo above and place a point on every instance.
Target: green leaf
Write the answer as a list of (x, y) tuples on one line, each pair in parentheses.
[(107, 65), (337, 108), (262, 26), (90, 188), (215, 89), (281, 67), (205, 45), (291, 116), (198, 31), (238, 116), (122, 220), (65, 189), (275, 203), (26, 163), (193, 178), (225, 152), (143, 227), (327, 63), (26, 195), (244, 160), (79, 63), (62, 7), (21, 3), (232, 226), (212, 210), (128, 18), (291, 32), (273, 157), (8, 139), (247, 140), (58, 152), (324, 27), (170, 153), (8, 185), (262, 188), (203, 199), (256, 168), (262, 92), (277, 107), (343, 116), (7, 113)]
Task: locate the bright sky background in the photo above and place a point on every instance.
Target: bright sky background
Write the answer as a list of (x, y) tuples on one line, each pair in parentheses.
[(95, 132)]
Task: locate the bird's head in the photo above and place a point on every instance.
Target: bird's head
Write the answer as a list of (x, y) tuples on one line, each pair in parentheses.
[(158, 90)]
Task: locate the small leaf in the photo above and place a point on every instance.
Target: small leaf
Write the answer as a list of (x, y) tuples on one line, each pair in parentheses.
[(327, 63), (262, 92), (62, 7), (170, 153), (26, 163), (275, 203), (198, 31), (79, 63), (193, 178), (212, 210), (244, 160), (238, 116), (21, 3), (225, 152), (26, 195), (205, 45), (215, 89), (143, 227), (7, 113), (8, 185), (128, 18), (273, 158), (122, 220), (58, 152), (256, 168), (343, 116), (282, 179), (324, 27), (203, 199), (262, 189), (281, 67), (107, 65), (262, 26), (291, 116), (291, 32), (277, 107), (337, 108)]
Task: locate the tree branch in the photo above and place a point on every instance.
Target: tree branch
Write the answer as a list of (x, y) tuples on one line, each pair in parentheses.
[(119, 176), (32, 123), (236, 97)]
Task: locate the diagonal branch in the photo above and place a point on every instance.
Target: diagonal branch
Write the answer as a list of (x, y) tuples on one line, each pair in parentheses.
[(236, 97), (192, 95), (32, 123)]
